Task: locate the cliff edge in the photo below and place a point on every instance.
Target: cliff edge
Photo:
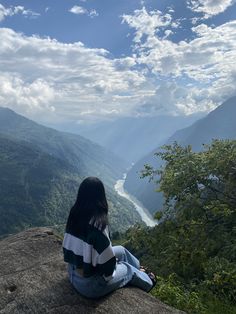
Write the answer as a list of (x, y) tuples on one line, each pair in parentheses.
[(33, 279)]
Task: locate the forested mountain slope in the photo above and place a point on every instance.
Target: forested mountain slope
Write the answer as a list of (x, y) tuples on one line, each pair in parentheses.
[(218, 124), (41, 170), (86, 156), (32, 185)]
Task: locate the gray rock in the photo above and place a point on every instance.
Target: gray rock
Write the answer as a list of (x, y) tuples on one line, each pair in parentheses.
[(33, 279)]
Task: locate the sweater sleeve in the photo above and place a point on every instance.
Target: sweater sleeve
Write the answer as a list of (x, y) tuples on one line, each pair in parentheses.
[(106, 260)]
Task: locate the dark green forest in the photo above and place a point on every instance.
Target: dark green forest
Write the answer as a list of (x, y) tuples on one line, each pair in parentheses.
[(38, 189), (193, 249), (41, 170)]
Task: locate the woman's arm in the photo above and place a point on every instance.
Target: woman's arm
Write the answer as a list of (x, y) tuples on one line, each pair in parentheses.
[(105, 260)]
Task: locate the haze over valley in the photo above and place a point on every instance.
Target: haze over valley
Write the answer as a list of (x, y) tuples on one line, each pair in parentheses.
[(99, 92), (121, 90), (218, 124), (41, 169), (145, 133)]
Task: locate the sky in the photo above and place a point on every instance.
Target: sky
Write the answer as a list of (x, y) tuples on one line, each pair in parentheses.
[(84, 61)]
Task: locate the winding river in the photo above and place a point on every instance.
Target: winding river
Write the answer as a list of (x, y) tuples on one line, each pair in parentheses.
[(143, 212)]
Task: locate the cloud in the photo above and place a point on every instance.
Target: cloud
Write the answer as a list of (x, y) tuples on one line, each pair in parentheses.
[(93, 13), (78, 10), (146, 23), (27, 96), (44, 78), (204, 67), (174, 97), (81, 10), (54, 81), (209, 7), (10, 11), (168, 33)]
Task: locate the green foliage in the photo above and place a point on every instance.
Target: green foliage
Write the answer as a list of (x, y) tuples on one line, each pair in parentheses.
[(171, 291), (158, 215), (40, 171), (220, 278), (196, 238), (38, 189), (214, 305)]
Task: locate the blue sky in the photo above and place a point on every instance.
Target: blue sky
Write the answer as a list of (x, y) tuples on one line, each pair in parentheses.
[(90, 60)]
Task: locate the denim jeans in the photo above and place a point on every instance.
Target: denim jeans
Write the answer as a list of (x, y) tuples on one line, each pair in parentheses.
[(127, 272)]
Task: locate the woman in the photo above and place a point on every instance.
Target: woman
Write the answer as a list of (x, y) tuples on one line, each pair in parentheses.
[(95, 267)]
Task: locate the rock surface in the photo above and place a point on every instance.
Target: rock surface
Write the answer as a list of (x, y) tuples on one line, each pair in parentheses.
[(33, 279)]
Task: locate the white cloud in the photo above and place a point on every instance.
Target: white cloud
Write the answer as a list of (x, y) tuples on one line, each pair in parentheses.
[(206, 62), (209, 7), (44, 78), (10, 11), (76, 9), (93, 13), (176, 98), (168, 33), (81, 10), (146, 23), (195, 20), (25, 96), (50, 80)]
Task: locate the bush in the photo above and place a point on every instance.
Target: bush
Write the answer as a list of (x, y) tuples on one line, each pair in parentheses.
[(220, 278), (173, 293)]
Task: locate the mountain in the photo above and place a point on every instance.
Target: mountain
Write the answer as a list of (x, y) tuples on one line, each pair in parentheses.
[(218, 124), (85, 156), (41, 169), (31, 183), (132, 138)]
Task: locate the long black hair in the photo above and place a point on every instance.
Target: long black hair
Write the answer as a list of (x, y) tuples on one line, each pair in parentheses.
[(90, 205)]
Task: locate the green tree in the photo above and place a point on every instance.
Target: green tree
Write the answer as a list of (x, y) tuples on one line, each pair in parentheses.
[(195, 242)]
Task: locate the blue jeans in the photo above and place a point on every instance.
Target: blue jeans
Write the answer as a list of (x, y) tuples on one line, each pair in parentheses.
[(127, 272)]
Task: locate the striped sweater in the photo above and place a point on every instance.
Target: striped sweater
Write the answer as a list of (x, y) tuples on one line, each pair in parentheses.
[(93, 252)]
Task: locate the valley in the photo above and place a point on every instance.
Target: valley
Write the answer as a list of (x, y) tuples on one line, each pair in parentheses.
[(218, 124), (41, 170), (143, 212)]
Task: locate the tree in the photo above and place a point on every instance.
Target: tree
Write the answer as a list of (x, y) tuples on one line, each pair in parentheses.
[(199, 225), (193, 249)]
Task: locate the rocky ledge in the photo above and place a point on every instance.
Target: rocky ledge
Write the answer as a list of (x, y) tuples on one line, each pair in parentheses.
[(33, 279)]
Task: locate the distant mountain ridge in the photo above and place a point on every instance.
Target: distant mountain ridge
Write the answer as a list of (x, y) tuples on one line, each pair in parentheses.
[(218, 124), (41, 169), (70, 147), (131, 138)]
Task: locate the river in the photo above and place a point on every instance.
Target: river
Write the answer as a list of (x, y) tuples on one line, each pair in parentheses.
[(143, 212)]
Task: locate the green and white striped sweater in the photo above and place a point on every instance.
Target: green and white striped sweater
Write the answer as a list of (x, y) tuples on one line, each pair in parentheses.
[(93, 252)]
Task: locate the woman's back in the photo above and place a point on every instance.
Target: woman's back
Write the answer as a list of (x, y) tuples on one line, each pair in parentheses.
[(95, 267), (91, 251)]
